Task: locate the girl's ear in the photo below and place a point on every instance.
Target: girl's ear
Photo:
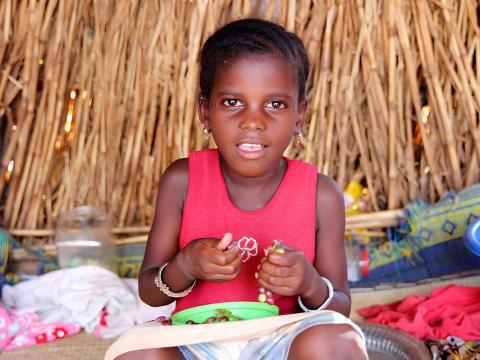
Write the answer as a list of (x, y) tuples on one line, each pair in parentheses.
[(301, 115), (203, 111)]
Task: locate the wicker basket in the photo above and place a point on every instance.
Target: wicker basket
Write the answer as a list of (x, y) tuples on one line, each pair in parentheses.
[(384, 343)]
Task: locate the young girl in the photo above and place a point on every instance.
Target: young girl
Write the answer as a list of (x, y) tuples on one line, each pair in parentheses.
[(253, 102)]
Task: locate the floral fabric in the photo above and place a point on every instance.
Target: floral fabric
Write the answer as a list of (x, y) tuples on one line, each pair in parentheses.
[(21, 329)]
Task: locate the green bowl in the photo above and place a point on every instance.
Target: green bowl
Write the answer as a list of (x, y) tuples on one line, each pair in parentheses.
[(234, 311)]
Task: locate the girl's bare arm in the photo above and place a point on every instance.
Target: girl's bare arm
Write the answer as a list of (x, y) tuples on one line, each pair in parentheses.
[(330, 261)]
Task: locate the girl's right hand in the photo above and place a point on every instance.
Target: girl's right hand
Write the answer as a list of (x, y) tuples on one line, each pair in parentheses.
[(210, 259)]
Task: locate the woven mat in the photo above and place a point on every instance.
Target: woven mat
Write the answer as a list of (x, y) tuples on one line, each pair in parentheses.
[(82, 346), (86, 346)]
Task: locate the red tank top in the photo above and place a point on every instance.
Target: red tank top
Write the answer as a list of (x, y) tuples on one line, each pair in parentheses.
[(208, 212)]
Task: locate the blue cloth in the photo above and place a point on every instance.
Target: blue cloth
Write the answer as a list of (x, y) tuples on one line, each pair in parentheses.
[(429, 244)]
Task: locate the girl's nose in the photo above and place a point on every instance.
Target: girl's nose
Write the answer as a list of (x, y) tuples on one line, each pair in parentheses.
[(253, 121)]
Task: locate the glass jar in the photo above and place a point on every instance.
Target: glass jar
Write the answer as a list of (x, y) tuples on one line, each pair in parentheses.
[(83, 236), (353, 254)]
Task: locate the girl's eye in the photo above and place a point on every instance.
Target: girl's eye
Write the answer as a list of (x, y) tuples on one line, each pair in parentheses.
[(231, 102), (275, 104)]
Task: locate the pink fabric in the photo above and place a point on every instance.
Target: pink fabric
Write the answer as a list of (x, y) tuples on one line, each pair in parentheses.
[(102, 324), (18, 330), (449, 310), (209, 212), (8, 328)]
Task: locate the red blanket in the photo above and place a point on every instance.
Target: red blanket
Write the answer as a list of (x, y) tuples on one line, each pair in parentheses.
[(449, 310)]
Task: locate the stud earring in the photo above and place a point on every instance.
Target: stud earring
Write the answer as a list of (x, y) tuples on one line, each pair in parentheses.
[(298, 138), (206, 132)]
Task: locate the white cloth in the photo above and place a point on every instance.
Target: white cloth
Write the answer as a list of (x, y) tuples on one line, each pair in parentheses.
[(77, 295), (146, 312)]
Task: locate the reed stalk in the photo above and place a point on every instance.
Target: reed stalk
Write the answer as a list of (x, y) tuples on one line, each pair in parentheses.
[(394, 97)]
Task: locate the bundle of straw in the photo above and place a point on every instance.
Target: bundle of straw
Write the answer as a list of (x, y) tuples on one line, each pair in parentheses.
[(97, 98)]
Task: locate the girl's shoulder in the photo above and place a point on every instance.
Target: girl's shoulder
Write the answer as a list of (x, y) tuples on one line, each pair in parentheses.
[(327, 188), (177, 170), (177, 174), (174, 179), (330, 208), (328, 191)]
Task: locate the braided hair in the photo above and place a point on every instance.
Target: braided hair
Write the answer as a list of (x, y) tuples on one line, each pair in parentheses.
[(251, 37)]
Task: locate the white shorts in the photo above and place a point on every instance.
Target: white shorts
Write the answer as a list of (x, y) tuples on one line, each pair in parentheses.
[(272, 346), (265, 338)]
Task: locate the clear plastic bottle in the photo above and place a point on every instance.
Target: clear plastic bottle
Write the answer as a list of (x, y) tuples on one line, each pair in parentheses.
[(83, 236)]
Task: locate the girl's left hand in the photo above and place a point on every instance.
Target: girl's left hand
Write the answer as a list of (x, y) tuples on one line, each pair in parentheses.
[(288, 273)]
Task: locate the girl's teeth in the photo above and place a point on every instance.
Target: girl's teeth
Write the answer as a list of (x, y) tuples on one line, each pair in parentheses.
[(250, 147)]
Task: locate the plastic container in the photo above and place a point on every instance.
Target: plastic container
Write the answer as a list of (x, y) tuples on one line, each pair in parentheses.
[(83, 236), (242, 310), (472, 237)]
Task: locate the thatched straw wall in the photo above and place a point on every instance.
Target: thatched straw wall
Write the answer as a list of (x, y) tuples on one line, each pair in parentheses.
[(98, 97)]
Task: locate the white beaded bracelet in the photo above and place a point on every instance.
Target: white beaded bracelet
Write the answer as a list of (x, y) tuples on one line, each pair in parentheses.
[(166, 290), (325, 303)]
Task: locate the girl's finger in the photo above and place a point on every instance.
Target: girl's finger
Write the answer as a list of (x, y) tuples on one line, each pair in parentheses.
[(277, 281), (277, 289), (226, 240), (225, 257), (288, 258), (213, 261), (229, 269), (274, 270), (220, 277)]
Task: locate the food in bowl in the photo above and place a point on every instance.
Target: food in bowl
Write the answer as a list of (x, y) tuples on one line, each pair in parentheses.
[(223, 312)]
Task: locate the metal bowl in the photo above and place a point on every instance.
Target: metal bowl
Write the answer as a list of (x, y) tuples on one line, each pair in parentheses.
[(385, 343)]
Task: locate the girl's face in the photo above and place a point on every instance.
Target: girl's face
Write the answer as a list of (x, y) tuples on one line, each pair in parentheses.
[(253, 112)]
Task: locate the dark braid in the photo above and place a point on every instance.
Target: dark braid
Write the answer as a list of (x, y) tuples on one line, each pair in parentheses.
[(247, 37)]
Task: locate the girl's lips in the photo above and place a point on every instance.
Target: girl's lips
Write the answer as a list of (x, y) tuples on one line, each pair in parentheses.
[(251, 151)]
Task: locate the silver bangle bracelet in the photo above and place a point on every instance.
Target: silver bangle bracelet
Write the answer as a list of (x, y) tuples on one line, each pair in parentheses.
[(325, 303), (166, 290)]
